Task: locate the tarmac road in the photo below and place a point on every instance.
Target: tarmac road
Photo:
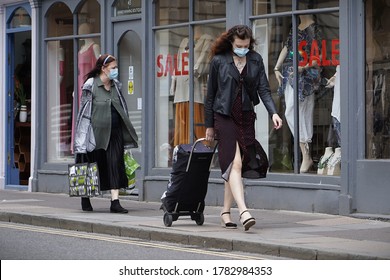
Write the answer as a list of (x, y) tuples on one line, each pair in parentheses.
[(286, 234)]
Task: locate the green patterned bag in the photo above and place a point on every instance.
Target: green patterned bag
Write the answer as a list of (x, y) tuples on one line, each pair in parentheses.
[(83, 179), (131, 165)]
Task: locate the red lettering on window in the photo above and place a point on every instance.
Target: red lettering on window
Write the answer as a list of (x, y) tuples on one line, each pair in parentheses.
[(176, 65), (314, 54), (325, 61), (335, 52), (169, 66), (184, 63), (301, 47), (160, 67), (172, 65)]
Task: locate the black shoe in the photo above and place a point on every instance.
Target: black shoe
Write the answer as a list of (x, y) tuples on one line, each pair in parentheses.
[(228, 225), (249, 222), (86, 204), (116, 207)]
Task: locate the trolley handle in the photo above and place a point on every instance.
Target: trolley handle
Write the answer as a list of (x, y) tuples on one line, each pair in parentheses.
[(200, 140), (193, 148)]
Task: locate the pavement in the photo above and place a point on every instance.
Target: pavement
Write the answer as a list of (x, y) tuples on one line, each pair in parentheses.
[(285, 234)]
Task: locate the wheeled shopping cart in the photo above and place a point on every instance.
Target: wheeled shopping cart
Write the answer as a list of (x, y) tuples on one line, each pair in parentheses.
[(187, 186)]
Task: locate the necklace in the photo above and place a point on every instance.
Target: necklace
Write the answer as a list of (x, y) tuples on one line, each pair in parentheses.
[(240, 63)]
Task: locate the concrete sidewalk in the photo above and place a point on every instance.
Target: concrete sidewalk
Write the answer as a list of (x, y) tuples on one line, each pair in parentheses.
[(284, 234)]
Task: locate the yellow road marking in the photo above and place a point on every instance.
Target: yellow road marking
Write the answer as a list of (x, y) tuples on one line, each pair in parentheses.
[(101, 237)]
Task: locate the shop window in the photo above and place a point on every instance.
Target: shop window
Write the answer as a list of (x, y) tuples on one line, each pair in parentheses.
[(59, 21), (172, 11), (59, 99), (261, 7), (206, 9), (90, 13), (126, 7), (130, 73), (62, 64), (174, 89), (21, 18), (377, 26), (318, 90)]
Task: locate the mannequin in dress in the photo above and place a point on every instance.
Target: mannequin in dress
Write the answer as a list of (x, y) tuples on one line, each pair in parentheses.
[(308, 83), (87, 56), (330, 163), (180, 88)]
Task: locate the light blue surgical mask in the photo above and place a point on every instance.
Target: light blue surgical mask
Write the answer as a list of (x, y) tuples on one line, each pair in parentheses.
[(113, 74), (241, 52)]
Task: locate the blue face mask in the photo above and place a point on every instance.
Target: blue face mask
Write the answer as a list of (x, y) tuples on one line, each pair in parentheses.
[(113, 74), (241, 52)]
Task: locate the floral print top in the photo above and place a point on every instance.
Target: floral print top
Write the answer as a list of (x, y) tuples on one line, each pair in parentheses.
[(309, 79)]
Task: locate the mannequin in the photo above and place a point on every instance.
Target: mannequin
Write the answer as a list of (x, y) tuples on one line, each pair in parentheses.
[(334, 164), (324, 161), (87, 56), (64, 101), (308, 83), (334, 82), (180, 88), (330, 163)]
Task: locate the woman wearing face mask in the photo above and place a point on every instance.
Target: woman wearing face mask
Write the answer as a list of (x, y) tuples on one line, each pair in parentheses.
[(112, 129), (237, 82)]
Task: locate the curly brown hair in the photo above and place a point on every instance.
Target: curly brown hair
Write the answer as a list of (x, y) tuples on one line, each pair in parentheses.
[(224, 42)]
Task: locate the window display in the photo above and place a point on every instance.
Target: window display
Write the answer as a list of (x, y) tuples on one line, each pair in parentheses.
[(377, 79), (171, 12), (317, 92), (174, 91), (61, 66), (180, 87), (21, 18)]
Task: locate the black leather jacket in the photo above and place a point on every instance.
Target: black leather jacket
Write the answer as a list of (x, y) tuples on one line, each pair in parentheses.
[(223, 82)]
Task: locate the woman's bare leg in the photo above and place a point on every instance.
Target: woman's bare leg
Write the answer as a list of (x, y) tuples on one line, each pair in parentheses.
[(237, 190)]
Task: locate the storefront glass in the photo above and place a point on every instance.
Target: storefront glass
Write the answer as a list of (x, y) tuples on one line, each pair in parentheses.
[(318, 88), (59, 99), (61, 66), (89, 13), (173, 89), (59, 20), (377, 26), (130, 74), (206, 9), (260, 7), (172, 11), (21, 18)]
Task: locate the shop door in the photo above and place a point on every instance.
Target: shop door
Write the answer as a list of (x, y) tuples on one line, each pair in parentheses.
[(18, 83), (129, 54)]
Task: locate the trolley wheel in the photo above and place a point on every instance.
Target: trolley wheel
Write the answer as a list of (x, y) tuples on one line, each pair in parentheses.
[(167, 219), (200, 220)]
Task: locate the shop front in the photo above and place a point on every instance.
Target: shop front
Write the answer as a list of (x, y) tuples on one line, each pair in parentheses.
[(331, 155)]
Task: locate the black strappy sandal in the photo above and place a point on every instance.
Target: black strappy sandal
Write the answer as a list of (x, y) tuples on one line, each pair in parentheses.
[(228, 225), (248, 223)]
